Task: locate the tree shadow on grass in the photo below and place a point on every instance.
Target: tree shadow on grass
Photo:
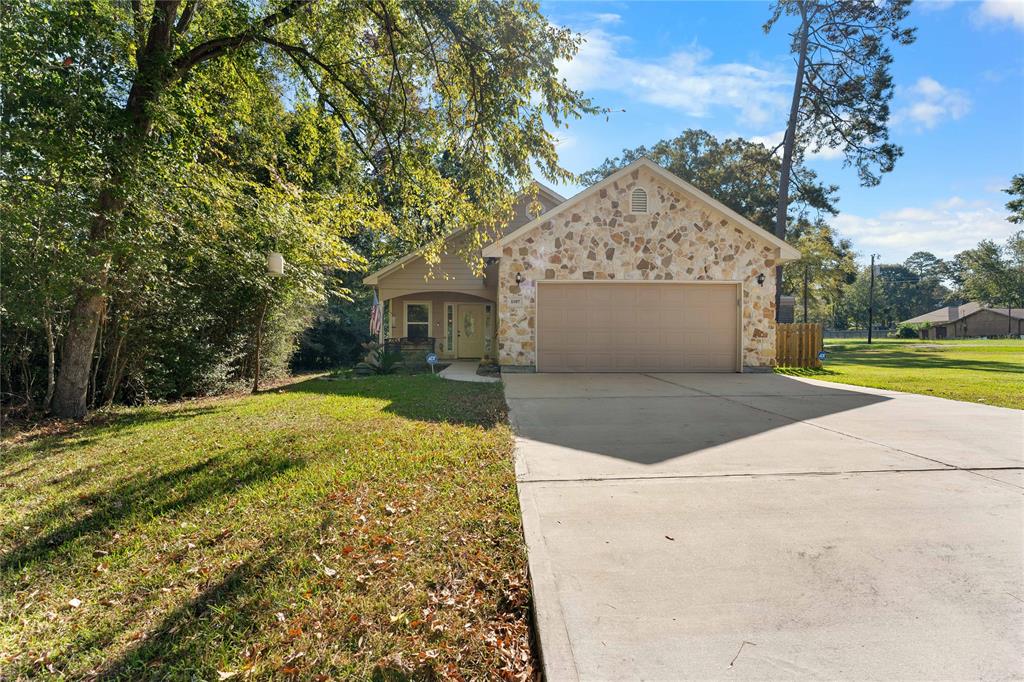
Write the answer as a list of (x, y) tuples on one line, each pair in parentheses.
[(183, 636), (142, 495), (420, 397), (66, 435), (916, 360), (806, 371)]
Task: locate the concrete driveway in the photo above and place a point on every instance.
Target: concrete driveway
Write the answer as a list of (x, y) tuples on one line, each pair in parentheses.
[(688, 526)]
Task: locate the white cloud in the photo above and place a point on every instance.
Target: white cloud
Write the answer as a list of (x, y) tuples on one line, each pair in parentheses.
[(608, 18), (945, 228), (1000, 11), (771, 140), (565, 141), (934, 5), (685, 80), (927, 103)]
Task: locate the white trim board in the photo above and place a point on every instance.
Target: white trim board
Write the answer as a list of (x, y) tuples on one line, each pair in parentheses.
[(430, 316)]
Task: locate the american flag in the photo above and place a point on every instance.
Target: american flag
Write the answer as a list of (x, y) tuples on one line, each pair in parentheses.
[(375, 315)]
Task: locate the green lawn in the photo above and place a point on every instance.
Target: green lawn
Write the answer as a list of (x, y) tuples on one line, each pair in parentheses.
[(360, 528), (981, 371)]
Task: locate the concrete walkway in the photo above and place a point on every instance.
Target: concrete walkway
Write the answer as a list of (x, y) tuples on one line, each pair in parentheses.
[(759, 526), (465, 370)]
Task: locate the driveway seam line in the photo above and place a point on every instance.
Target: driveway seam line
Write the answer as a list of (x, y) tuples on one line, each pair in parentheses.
[(761, 474)]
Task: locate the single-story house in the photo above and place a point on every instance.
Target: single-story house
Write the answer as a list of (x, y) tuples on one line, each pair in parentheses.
[(639, 272), (969, 319)]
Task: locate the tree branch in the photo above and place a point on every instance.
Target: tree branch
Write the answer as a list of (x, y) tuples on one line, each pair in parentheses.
[(212, 49), (186, 17)]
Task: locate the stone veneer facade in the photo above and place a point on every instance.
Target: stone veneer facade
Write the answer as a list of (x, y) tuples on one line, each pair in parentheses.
[(678, 239)]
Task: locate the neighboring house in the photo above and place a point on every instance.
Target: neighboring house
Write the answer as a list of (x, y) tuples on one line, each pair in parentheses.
[(640, 272), (969, 319)]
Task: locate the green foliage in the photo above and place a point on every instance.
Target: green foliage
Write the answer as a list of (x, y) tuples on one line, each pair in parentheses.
[(153, 152), (381, 359), (992, 273), (844, 85), (1016, 204), (335, 334), (902, 290), (910, 331), (742, 175), (826, 267)]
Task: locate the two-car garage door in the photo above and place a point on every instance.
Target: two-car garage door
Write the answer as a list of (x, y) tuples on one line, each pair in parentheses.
[(637, 327)]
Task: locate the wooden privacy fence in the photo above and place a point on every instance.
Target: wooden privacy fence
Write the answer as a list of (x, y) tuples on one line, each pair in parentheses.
[(797, 345)]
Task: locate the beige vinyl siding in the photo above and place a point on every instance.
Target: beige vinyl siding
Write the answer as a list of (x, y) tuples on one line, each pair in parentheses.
[(438, 318), (453, 273)]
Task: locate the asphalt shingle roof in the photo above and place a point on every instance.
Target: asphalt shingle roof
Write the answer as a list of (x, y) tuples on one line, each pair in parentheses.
[(952, 313)]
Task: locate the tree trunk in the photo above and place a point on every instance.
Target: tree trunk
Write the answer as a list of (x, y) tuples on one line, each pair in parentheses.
[(69, 397), (259, 347), (51, 361), (788, 151), (99, 357), (152, 75), (114, 375), (76, 358)]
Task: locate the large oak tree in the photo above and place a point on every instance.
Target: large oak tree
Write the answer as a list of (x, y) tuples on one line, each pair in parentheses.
[(109, 98)]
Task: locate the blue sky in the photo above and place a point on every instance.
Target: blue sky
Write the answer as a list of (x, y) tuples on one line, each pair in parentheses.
[(958, 110)]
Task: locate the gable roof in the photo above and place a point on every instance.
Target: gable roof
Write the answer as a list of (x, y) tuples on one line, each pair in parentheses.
[(953, 313), (374, 277), (786, 251)]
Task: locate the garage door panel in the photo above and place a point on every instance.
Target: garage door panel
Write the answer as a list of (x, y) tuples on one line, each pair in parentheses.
[(574, 316), (630, 327), (619, 296), (649, 317)]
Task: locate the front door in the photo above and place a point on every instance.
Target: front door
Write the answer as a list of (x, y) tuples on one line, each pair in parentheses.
[(471, 330)]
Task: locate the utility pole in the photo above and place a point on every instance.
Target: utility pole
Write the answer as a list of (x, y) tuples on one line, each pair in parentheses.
[(871, 298)]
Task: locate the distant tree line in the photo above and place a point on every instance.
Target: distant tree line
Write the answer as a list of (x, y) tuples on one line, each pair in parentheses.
[(828, 284)]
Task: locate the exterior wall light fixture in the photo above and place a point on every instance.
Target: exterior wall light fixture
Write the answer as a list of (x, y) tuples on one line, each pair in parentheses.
[(760, 279), (519, 278)]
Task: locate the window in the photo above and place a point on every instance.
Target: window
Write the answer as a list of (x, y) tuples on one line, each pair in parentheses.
[(638, 201), (417, 320)]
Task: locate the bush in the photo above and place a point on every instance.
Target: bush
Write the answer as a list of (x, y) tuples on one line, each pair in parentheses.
[(908, 331), (380, 360)]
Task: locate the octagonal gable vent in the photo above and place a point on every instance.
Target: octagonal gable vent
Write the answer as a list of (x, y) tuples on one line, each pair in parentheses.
[(638, 201)]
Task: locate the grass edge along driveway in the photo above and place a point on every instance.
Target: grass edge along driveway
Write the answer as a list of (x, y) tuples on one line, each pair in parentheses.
[(332, 529), (987, 371)]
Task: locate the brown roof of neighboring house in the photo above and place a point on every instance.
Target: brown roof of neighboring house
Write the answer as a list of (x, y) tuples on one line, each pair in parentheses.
[(952, 313)]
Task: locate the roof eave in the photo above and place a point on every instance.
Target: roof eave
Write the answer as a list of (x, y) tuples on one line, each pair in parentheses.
[(787, 252)]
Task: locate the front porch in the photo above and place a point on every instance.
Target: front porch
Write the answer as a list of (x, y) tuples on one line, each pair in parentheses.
[(454, 325)]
